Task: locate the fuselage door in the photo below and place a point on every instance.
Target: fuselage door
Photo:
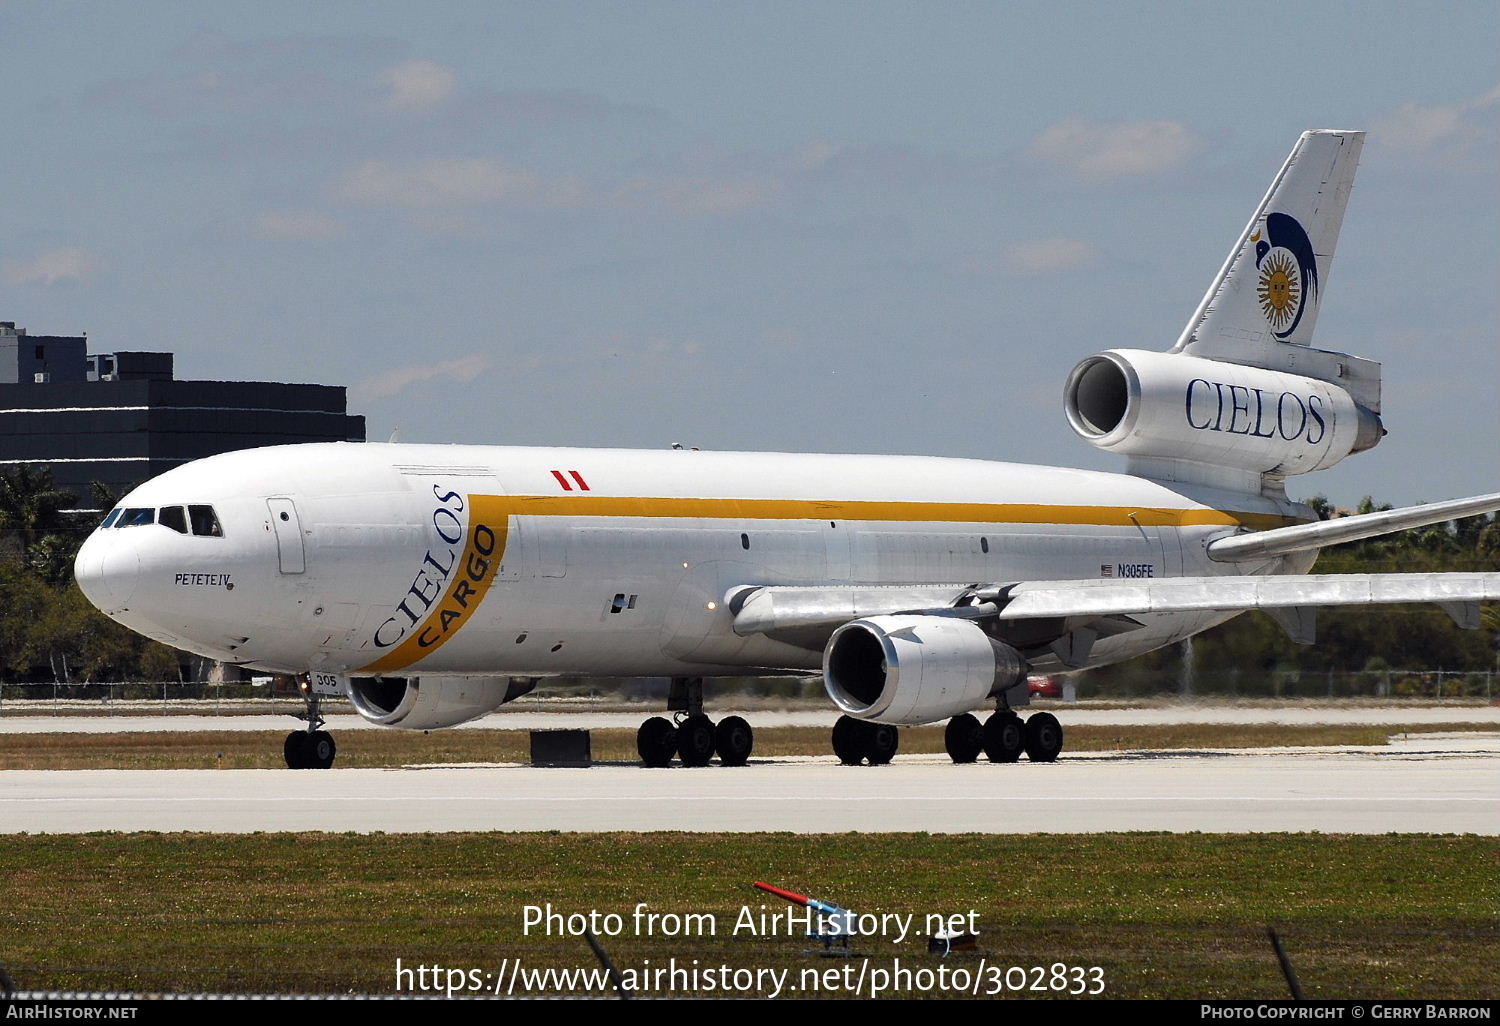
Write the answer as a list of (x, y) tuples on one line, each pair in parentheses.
[(288, 530)]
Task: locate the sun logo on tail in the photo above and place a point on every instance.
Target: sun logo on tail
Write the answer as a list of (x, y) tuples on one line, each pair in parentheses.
[(1280, 289), (1287, 272)]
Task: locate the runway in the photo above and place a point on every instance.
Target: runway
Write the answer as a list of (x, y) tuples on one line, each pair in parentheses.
[(16, 718), (1425, 784)]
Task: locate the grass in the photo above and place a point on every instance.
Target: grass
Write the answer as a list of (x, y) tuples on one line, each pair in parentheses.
[(1162, 915), (382, 748)]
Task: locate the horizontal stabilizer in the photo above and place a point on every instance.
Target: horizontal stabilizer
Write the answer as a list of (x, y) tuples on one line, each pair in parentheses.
[(1283, 540), (1188, 594)]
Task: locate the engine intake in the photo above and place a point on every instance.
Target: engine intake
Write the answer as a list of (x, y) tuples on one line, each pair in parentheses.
[(427, 703), (915, 669)]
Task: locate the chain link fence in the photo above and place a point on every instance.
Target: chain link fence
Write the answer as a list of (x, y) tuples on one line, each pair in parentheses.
[(1298, 684), (125, 698)]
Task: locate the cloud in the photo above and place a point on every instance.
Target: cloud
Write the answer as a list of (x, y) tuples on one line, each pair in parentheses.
[(1049, 256), (439, 181), (816, 154), (1423, 128), (391, 382), (295, 224), (49, 268), (460, 181), (418, 85), (1033, 256), (698, 195), (1096, 152)]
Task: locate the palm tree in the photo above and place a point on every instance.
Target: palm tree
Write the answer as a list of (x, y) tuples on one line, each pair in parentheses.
[(31, 504), (33, 523)]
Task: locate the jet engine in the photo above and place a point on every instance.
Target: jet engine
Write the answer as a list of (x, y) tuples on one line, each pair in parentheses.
[(418, 703), (916, 669), (1172, 406)]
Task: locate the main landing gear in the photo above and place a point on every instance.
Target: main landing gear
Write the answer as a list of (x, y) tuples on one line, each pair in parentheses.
[(690, 735), (857, 741), (312, 748), (1003, 737)]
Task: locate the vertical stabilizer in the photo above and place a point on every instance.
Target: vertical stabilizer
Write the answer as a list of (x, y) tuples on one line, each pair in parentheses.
[(1266, 296)]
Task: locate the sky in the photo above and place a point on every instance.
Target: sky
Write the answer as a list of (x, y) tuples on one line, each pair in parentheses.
[(809, 226)]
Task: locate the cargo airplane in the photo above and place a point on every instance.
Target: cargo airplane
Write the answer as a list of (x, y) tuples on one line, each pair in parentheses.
[(430, 584)]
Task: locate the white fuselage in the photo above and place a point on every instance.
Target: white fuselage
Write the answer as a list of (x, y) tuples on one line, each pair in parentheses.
[(393, 559)]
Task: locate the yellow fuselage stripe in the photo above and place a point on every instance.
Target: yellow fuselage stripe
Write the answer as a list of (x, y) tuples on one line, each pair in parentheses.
[(881, 510)]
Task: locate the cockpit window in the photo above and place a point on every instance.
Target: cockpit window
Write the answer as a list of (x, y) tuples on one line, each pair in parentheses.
[(114, 515), (174, 517), (136, 517), (205, 521)]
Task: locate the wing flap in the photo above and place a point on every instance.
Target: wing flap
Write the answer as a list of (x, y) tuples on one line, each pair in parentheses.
[(1188, 594)]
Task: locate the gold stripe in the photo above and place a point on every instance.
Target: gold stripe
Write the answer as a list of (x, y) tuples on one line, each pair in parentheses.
[(859, 510), (472, 576)]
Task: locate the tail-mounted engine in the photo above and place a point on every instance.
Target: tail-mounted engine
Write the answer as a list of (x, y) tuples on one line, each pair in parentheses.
[(916, 669), (1176, 407)]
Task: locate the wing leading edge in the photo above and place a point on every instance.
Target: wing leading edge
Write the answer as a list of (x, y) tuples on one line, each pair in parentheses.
[(765, 610)]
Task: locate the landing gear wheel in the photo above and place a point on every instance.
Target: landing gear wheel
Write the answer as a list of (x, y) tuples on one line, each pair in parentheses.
[(320, 749), (849, 740), (964, 738), (1004, 737), (1044, 737), (695, 740), (294, 750), (656, 741), (882, 744), (733, 740)]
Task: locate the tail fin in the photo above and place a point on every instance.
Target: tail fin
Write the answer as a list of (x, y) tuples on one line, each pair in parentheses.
[(1243, 400), (1265, 298)]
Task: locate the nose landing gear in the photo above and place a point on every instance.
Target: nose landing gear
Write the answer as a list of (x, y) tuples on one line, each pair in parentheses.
[(314, 747)]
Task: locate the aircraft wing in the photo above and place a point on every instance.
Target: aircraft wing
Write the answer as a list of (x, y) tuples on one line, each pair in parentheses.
[(1188, 594), (1283, 540), (762, 610)]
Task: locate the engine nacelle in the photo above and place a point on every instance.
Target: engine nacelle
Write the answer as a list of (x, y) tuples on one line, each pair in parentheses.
[(915, 669), (1171, 406), (418, 703)]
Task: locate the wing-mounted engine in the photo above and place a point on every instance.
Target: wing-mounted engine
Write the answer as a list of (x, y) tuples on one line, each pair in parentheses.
[(1170, 406), (916, 669), (429, 703)]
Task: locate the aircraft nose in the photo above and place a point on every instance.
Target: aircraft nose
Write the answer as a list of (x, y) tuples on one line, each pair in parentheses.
[(106, 572)]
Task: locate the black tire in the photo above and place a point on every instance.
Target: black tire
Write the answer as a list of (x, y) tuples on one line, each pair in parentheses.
[(850, 740), (321, 750), (294, 750), (695, 740), (656, 741), (1004, 737), (882, 745), (734, 740), (964, 738), (1044, 737)]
